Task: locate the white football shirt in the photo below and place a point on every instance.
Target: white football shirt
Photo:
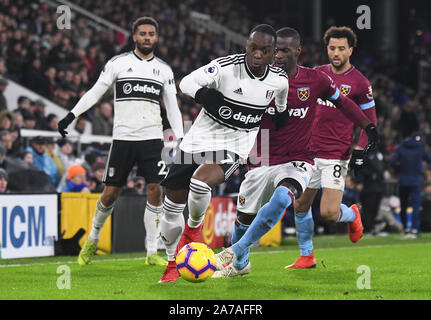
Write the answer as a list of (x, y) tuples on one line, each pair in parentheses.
[(234, 126), (139, 86)]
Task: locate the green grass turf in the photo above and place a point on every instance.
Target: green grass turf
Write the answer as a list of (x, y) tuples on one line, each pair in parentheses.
[(399, 269)]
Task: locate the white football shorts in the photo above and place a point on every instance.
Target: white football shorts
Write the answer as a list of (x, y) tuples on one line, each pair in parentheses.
[(259, 183), (329, 173)]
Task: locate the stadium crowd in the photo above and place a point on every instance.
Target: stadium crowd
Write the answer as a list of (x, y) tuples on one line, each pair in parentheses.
[(62, 65)]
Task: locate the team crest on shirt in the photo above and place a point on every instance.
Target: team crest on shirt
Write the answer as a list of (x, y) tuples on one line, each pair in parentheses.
[(303, 93), (241, 200), (156, 72), (111, 171), (345, 89), (269, 94)]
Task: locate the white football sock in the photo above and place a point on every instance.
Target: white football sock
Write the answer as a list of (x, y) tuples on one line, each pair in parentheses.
[(198, 201), (152, 217), (102, 213), (172, 226)]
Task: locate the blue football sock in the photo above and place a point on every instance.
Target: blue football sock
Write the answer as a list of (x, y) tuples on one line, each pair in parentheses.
[(346, 214), (265, 219), (238, 231), (304, 231)]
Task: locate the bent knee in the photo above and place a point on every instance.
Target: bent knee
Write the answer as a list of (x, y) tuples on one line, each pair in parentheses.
[(330, 214)]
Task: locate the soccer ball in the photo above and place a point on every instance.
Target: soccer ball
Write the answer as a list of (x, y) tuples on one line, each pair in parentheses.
[(196, 262)]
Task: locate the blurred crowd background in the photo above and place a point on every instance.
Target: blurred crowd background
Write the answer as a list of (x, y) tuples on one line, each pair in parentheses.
[(62, 64)]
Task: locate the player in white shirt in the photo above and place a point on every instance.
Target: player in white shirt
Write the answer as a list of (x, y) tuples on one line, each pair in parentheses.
[(140, 81), (234, 91)]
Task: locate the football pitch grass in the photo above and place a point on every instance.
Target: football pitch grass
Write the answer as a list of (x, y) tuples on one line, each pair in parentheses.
[(375, 268)]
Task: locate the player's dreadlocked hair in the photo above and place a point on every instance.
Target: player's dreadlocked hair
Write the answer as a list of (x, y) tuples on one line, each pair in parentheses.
[(145, 20), (289, 33), (265, 28), (341, 32)]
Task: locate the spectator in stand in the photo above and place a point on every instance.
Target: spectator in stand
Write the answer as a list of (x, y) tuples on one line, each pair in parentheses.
[(33, 76), (103, 120), (29, 120), (24, 104), (91, 157), (76, 180), (407, 161), (39, 114), (16, 149), (4, 178), (42, 161), (98, 170), (18, 119), (80, 126), (6, 120), (52, 121), (3, 101), (6, 140), (3, 162), (2, 65), (65, 153), (27, 156), (16, 61), (48, 83), (51, 152)]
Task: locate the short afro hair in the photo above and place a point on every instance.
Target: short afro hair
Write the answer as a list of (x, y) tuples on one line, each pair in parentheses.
[(145, 20), (341, 32)]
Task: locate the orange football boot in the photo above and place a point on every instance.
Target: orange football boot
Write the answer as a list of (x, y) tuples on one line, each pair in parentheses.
[(304, 262), (171, 273), (355, 227)]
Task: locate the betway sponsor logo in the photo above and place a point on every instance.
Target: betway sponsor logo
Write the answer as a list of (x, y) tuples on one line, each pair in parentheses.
[(325, 103), (298, 112), (128, 88), (227, 113)]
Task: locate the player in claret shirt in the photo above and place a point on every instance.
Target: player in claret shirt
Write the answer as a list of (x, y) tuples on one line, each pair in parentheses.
[(331, 142), (268, 190)]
